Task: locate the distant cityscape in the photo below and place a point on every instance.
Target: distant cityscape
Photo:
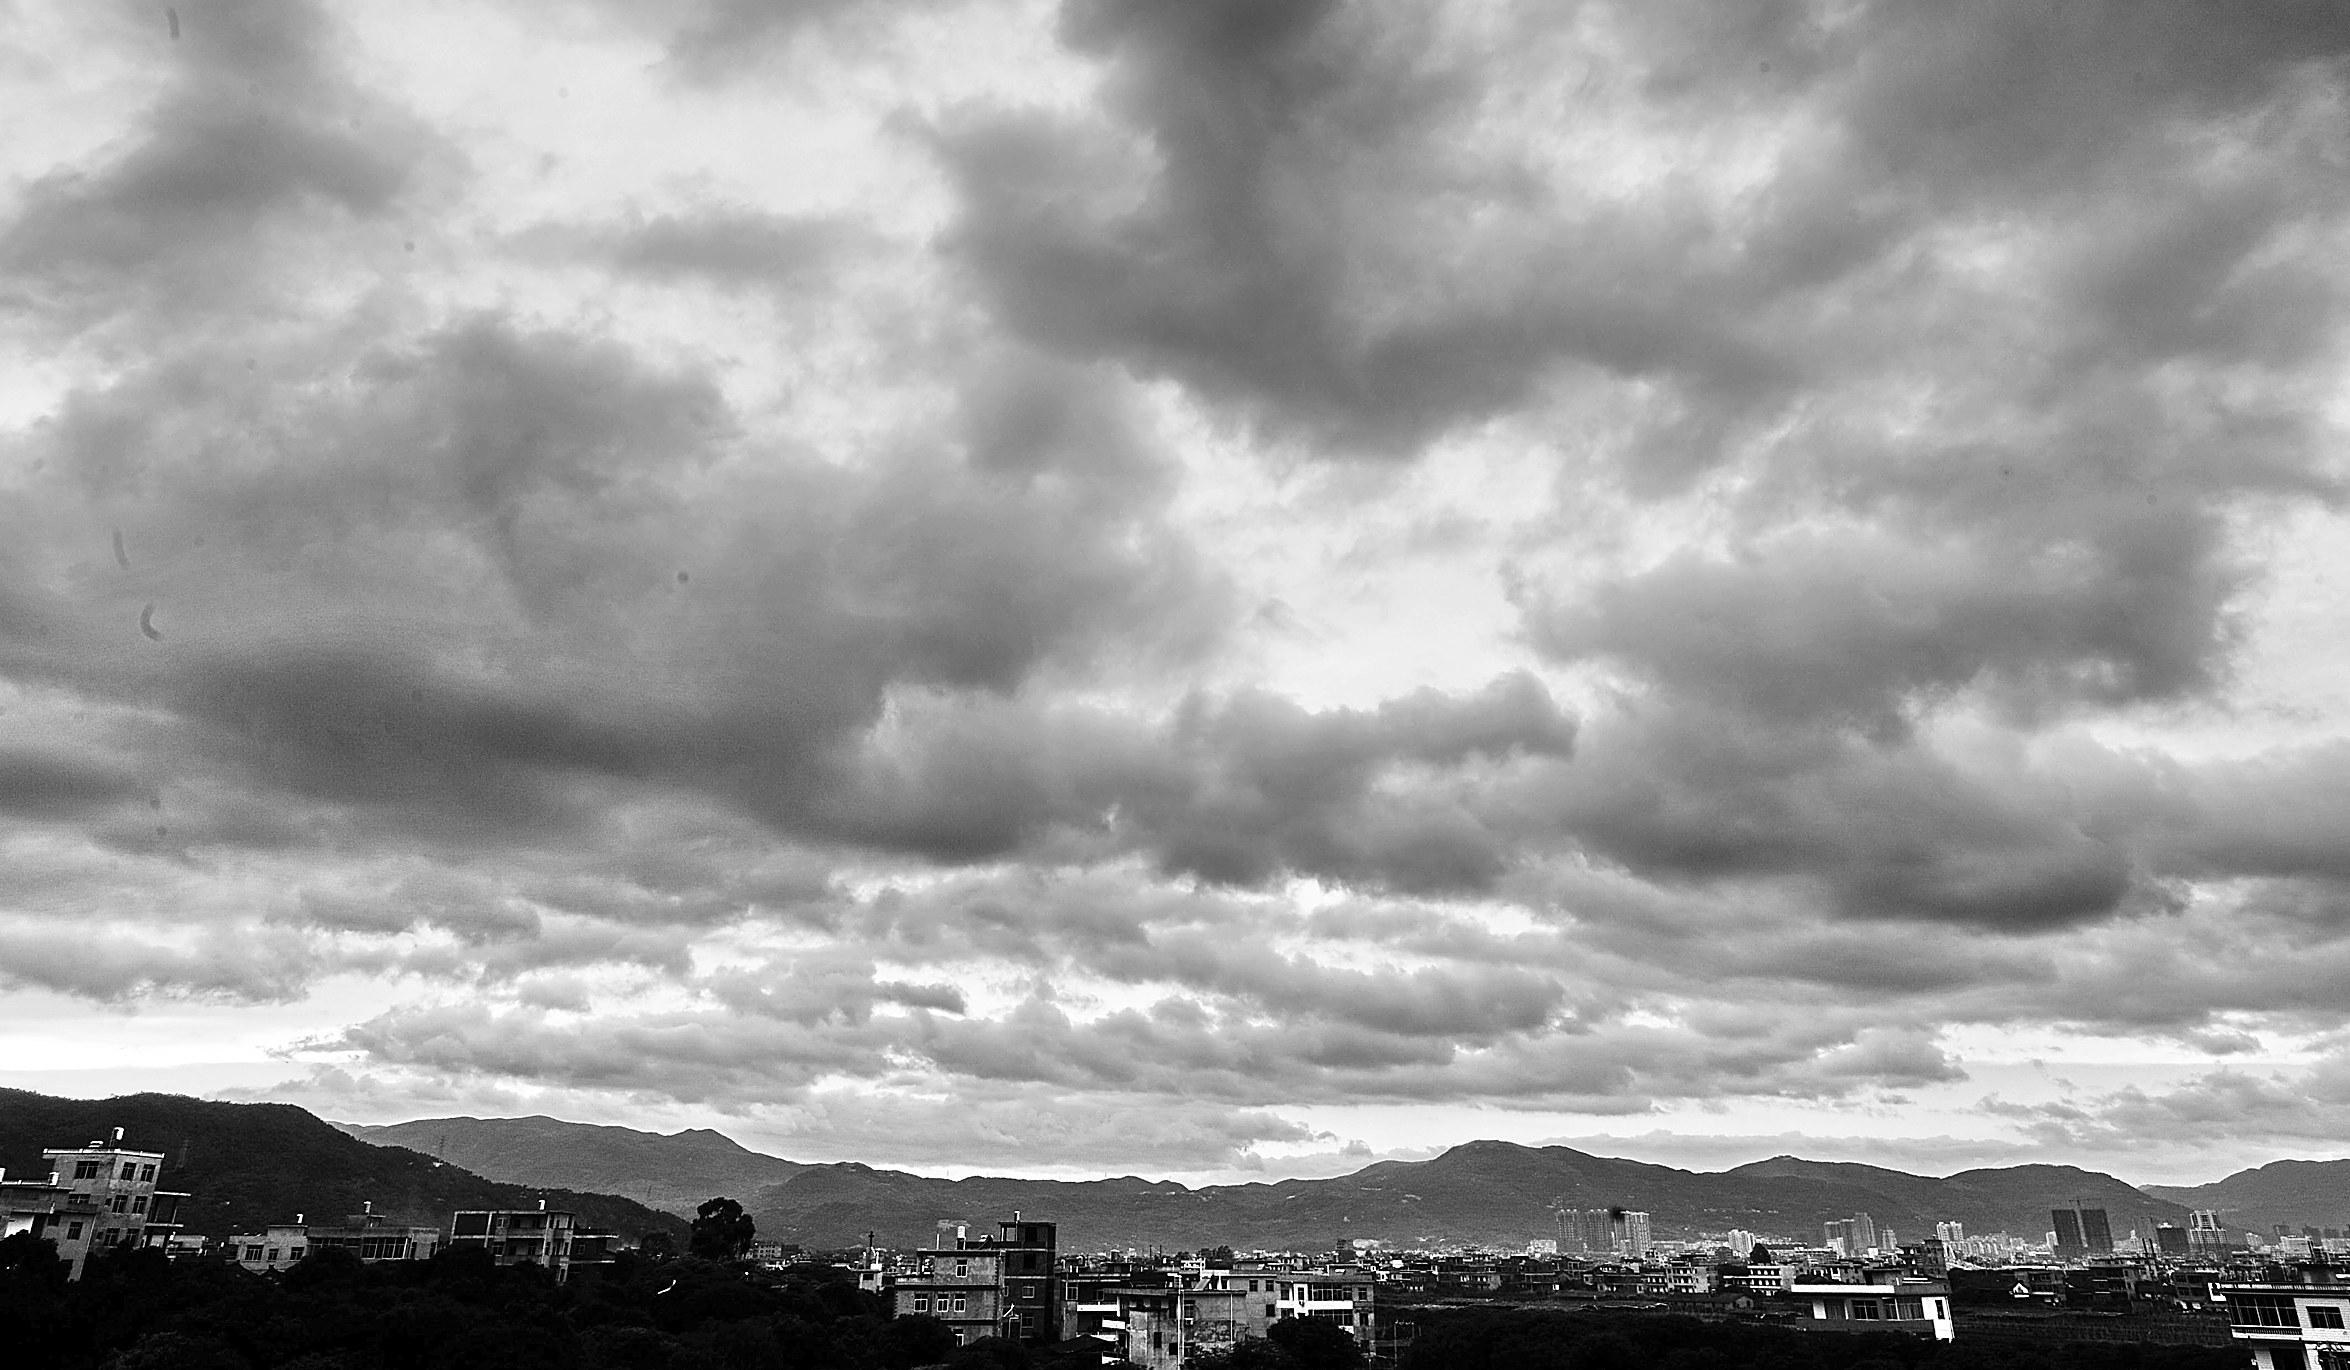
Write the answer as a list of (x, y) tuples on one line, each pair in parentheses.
[(2283, 1296)]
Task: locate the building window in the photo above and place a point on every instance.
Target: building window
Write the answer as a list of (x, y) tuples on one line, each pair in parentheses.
[(121, 1203), (1866, 1310), (962, 1270), (146, 1174), (960, 1305), (921, 1303), (130, 1171), (2325, 1315), (139, 1203), (252, 1253), (2262, 1310), (73, 1232), (273, 1255), (87, 1170)]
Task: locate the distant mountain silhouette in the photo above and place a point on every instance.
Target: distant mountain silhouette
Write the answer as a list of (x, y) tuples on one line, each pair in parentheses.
[(248, 1165), (2289, 1192), (673, 1172), (1486, 1192)]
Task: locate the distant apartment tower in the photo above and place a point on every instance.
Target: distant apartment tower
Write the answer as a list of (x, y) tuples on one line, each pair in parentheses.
[(1853, 1236), (2170, 1240), (2081, 1232), (1585, 1229), (518, 1236), (1741, 1243), (2206, 1240), (1632, 1237), (1950, 1234)]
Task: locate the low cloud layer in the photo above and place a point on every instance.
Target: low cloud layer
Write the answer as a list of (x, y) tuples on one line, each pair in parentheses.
[(1840, 504)]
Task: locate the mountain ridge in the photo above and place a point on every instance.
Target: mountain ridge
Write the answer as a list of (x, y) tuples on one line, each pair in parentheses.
[(1485, 1191), (246, 1165)]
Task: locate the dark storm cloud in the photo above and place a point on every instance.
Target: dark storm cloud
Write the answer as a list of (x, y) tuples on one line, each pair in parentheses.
[(1302, 243), (1241, 789)]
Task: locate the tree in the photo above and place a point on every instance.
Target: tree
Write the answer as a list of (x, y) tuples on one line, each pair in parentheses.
[(722, 1231), (1761, 1255), (1316, 1344)]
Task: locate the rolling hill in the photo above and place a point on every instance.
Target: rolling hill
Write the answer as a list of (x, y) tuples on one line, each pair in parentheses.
[(673, 1172), (2290, 1192), (246, 1165), (1482, 1192)]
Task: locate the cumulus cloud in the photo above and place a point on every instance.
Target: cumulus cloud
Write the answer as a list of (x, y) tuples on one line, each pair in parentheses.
[(680, 629)]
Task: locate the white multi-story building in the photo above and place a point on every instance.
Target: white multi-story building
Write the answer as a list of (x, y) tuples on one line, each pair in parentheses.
[(2290, 1326), (1921, 1306)]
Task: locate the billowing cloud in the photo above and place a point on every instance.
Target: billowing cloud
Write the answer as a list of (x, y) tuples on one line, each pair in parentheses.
[(1254, 566)]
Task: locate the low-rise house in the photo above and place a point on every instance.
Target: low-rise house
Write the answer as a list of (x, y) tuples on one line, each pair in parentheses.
[(1896, 1303), (364, 1234), (518, 1236)]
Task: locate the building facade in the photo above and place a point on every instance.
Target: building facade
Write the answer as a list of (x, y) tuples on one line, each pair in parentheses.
[(365, 1234), (1902, 1305), (1000, 1286), (101, 1196), (2304, 1325), (518, 1236)]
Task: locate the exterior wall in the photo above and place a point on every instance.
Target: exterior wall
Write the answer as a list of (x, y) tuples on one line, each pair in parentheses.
[(2291, 1327), (283, 1244), (109, 1198), (273, 1248), (1915, 1306), (961, 1288), (517, 1236), (1004, 1286)]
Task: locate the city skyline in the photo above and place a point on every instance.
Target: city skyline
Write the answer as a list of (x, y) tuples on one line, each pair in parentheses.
[(1216, 591)]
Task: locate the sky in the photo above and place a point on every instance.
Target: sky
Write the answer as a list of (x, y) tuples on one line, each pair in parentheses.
[(1215, 590)]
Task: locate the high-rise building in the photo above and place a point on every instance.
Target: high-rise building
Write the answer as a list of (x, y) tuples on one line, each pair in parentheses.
[(1632, 1235), (2096, 1231), (1853, 1236), (1584, 1229), (1741, 1243), (1950, 1234), (2067, 1237), (2205, 1239), (2170, 1241)]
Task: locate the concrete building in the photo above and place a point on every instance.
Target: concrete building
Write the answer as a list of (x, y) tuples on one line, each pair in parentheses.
[(273, 1248), (364, 1234), (1000, 1286), (2301, 1325), (101, 1196), (1898, 1304), (518, 1236)]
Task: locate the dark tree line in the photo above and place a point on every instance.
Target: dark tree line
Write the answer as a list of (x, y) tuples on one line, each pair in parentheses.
[(1542, 1339), (134, 1310)]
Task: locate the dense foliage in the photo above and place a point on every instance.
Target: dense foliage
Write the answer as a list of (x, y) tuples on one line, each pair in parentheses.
[(249, 1165), (1539, 1339), (722, 1231), (137, 1311)]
